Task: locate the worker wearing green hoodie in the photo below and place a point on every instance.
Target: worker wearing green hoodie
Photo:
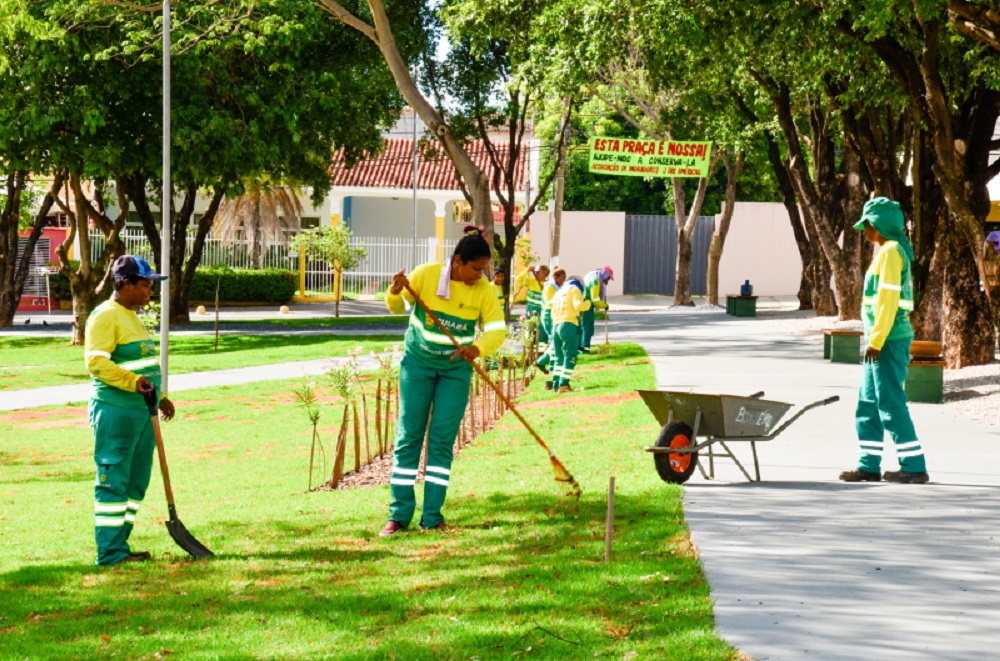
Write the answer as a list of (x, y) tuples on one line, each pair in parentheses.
[(886, 307)]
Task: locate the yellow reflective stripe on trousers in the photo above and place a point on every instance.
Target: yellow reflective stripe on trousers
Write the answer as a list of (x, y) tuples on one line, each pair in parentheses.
[(109, 522)]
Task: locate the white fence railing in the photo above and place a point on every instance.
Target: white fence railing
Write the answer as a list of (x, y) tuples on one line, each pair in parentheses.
[(386, 256)]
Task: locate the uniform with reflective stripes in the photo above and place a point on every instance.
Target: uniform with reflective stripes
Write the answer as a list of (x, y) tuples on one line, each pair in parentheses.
[(594, 291), (567, 305), (527, 280), (434, 390), (549, 290), (881, 408), (118, 351)]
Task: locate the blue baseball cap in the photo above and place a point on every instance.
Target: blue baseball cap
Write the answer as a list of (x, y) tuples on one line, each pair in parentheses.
[(130, 266)]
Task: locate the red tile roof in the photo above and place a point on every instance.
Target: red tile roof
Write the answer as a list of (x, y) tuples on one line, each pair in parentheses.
[(393, 166)]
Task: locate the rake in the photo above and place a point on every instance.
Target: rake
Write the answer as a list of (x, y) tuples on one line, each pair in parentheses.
[(561, 473)]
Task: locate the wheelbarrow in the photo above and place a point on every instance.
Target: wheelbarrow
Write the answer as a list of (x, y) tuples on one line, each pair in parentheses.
[(720, 419)]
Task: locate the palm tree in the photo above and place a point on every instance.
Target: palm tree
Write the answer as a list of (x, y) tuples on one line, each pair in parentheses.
[(262, 216)]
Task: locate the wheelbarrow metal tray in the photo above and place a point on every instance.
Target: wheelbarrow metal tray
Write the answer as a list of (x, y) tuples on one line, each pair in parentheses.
[(724, 416)]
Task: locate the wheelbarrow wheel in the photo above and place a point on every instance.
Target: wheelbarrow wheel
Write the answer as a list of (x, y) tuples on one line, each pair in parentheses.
[(675, 467)]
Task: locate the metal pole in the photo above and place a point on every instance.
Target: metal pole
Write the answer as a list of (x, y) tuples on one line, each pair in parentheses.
[(416, 174), (165, 205)]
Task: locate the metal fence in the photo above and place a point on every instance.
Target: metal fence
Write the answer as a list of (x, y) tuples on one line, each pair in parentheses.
[(386, 256), (651, 254)]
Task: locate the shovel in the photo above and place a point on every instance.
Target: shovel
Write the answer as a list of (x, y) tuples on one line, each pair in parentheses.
[(184, 539), (561, 474)]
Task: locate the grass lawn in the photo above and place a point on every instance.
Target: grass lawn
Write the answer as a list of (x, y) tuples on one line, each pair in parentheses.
[(304, 575), (33, 362)]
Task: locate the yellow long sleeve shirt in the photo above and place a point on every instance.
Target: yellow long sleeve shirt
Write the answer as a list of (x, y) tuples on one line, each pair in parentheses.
[(888, 297), (117, 351), (459, 314), (567, 305)]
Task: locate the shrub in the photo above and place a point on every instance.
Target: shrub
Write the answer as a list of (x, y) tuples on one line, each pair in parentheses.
[(244, 285)]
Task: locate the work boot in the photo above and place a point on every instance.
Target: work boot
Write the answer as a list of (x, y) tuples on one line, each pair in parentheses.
[(142, 555), (860, 476), (548, 385), (391, 528), (441, 527), (585, 350), (902, 477), (133, 557), (565, 388), (542, 368)]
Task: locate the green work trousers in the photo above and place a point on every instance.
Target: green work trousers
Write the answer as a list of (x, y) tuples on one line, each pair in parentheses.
[(440, 396), (566, 346), (545, 327), (882, 408), (123, 451), (586, 328)]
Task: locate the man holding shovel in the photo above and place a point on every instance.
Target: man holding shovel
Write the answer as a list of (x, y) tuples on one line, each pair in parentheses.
[(124, 365)]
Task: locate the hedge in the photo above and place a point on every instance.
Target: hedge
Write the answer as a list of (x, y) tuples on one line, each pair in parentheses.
[(237, 285), (244, 285)]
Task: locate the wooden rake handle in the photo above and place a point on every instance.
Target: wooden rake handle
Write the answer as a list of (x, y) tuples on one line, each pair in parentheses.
[(479, 368)]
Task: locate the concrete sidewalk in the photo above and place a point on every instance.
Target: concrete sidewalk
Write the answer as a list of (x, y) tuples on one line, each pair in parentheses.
[(59, 395), (804, 566)]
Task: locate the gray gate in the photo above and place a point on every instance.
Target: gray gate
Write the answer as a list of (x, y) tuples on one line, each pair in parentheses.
[(651, 254)]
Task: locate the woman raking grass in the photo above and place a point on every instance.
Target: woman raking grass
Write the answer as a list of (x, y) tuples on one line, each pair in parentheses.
[(434, 376)]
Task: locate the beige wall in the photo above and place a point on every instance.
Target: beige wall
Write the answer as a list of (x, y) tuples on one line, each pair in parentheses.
[(760, 247), (588, 240)]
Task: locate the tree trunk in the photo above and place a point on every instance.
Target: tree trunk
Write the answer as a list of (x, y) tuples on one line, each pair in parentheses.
[(85, 299), (682, 280), (969, 334), (733, 171)]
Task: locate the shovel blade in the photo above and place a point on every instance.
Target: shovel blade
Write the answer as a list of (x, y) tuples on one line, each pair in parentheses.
[(186, 540)]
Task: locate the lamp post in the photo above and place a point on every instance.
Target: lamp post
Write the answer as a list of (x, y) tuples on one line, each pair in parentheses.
[(165, 205)]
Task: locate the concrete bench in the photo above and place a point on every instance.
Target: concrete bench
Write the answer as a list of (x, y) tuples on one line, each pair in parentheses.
[(741, 306), (842, 345)]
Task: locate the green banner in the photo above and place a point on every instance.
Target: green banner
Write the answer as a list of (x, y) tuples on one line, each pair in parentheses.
[(649, 158)]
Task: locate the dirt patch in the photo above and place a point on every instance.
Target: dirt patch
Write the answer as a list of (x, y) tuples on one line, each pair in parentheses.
[(51, 424), (30, 414), (224, 446)]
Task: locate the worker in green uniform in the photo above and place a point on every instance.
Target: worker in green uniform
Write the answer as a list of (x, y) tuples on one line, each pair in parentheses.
[(552, 285), (532, 279), (567, 305), (886, 307), (434, 376), (124, 365), (549, 290), (498, 279), (594, 290)]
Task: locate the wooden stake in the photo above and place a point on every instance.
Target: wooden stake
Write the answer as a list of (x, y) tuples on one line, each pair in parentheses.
[(364, 414), (357, 437), (609, 530), (378, 418)]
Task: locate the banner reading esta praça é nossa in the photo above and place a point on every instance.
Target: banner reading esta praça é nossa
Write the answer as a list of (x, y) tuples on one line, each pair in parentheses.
[(649, 158)]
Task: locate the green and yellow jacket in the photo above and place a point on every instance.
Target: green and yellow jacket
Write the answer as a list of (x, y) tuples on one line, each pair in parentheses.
[(888, 297), (528, 280), (459, 313), (117, 351)]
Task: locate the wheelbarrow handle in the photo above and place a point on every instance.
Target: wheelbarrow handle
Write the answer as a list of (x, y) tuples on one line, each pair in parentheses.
[(831, 400)]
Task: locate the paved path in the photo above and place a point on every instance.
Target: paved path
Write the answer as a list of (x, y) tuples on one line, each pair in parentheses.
[(57, 395), (804, 566)]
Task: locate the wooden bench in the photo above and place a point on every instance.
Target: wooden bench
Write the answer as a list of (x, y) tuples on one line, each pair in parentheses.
[(842, 345), (741, 306)]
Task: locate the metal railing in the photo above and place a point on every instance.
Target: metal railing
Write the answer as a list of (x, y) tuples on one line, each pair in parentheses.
[(386, 256)]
